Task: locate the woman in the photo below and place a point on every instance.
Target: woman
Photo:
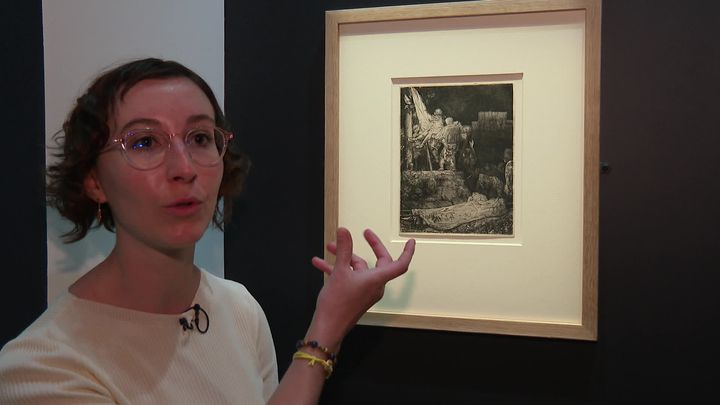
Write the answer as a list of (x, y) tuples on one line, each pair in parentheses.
[(145, 153)]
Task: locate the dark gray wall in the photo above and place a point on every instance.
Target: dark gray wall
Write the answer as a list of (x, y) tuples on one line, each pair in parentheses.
[(659, 241), (659, 237), (22, 212)]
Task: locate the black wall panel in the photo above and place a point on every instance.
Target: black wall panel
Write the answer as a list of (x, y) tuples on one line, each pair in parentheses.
[(659, 237), (22, 118)]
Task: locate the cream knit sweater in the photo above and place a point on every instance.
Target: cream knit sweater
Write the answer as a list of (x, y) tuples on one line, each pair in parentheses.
[(84, 352)]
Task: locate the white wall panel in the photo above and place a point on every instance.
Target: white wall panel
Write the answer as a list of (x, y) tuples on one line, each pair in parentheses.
[(82, 38)]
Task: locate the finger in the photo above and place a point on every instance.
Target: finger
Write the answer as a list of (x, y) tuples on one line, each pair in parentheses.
[(383, 256), (393, 269), (322, 265), (344, 248), (357, 262)]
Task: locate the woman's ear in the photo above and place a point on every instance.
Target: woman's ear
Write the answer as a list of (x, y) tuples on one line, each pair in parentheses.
[(93, 188)]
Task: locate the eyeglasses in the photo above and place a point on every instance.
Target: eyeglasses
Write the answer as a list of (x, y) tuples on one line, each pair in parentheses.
[(145, 148)]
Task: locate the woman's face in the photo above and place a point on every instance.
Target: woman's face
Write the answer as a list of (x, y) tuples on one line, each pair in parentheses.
[(168, 207)]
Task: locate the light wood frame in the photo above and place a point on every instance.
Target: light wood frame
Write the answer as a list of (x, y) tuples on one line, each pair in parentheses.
[(586, 328)]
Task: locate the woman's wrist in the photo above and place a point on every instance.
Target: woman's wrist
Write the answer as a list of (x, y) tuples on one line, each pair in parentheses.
[(325, 335), (314, 351)]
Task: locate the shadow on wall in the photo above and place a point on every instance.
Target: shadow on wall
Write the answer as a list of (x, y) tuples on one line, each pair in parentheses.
[(399, 297)]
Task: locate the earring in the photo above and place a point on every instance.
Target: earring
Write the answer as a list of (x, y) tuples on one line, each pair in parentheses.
[(98, 214)]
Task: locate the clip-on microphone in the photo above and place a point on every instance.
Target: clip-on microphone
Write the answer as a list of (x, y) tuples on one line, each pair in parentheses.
[(195, 324)]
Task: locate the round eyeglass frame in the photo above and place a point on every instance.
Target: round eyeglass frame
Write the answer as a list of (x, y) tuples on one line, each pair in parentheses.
[(227, 137)]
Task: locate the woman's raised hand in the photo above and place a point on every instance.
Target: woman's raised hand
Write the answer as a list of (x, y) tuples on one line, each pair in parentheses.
[(352, 286)]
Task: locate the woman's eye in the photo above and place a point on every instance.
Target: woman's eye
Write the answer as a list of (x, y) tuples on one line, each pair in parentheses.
[(141, 144), (200, 139), (144, 142)]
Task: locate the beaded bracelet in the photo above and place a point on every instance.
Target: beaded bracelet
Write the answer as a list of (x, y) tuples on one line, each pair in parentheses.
[(315, 345), (312, 360)]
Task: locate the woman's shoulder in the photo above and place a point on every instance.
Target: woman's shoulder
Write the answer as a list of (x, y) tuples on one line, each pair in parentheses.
[(43, 348), (220, 290), (219, 285), (228, 302), (45, 327), (59, 328)]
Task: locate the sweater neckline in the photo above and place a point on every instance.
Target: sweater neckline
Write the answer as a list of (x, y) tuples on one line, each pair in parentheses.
[(129, 313)]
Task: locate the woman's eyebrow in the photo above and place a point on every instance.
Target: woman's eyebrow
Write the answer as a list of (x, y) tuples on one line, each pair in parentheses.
[(151, 122), (140, 121)]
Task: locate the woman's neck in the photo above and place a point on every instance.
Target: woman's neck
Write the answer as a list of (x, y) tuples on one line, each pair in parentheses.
[(138, 277)]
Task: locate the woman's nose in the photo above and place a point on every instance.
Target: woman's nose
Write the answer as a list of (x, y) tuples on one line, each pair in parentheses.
[(179, 163)]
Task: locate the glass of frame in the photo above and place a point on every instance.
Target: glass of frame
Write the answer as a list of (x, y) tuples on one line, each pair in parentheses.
[(472, 127)]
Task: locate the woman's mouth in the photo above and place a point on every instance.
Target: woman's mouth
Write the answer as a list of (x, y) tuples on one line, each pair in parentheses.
[(184, 207)]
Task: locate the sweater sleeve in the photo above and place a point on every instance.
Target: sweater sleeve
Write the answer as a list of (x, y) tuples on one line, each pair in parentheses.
[(35, 371)]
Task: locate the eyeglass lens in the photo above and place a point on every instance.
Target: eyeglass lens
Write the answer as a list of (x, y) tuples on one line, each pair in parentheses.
[(146, 148)]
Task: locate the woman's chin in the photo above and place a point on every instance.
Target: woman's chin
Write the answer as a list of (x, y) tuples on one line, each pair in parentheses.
[(186, 236)]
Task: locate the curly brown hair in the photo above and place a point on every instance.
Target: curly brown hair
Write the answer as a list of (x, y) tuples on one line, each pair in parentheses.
[(86, 132)]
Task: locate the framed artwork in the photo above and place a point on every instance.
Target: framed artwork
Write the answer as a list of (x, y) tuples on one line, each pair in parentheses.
[(472, 127)]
